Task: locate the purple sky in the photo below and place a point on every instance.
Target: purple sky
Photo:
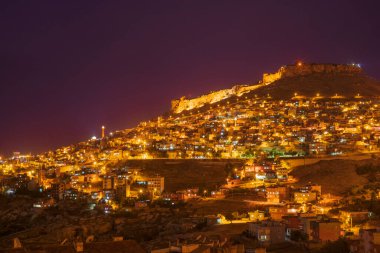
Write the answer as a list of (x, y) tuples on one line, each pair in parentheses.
[(67, 67)]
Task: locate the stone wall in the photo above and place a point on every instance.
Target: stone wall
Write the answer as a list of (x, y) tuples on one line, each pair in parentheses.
[(272, 77), (182, 104), (306, 69)]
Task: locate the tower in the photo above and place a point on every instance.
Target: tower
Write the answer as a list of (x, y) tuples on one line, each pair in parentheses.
[(103, 131)]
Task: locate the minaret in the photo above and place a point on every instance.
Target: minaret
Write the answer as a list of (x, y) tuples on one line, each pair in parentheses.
[(103, 130)]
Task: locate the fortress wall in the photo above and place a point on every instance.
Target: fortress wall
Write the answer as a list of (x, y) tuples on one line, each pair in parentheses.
[(306, 69), (242, 89), (271, 77), (182, 104)]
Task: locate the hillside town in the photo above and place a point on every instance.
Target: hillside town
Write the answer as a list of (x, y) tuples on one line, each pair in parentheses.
[(90, 181), (190, 126)]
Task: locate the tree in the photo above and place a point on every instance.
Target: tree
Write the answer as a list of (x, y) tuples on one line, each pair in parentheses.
[(235, 215), (229, 216)]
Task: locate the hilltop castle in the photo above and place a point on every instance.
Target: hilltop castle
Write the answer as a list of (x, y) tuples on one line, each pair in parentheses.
[(299, 69)]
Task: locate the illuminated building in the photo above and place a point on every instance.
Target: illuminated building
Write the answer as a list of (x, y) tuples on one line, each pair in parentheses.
[(103, 131)]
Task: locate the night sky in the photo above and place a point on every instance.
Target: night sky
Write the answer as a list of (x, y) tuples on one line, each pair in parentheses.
[(68, 67)]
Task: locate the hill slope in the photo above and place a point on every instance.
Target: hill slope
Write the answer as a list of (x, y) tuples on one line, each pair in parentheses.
[(327, 84), (181, 174), (335, 176)]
